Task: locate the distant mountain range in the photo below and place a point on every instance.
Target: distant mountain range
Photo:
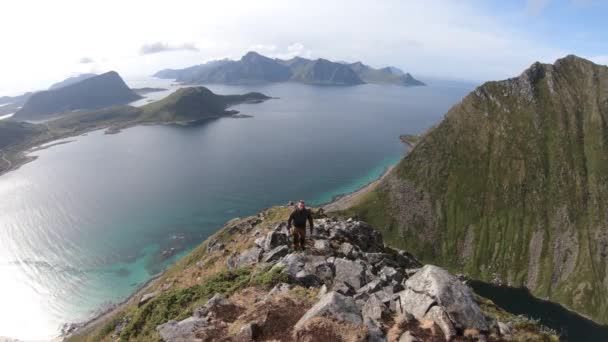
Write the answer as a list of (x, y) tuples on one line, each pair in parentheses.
[(92, 92), (255, 68)]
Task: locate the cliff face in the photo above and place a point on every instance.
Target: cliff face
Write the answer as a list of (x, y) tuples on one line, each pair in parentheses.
[(246, 283), (512, 186)]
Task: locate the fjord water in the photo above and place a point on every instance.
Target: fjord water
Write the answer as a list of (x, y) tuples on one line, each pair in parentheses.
[(85, 224)]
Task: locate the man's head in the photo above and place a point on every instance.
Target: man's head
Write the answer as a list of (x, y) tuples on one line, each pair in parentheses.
[(301, 205)]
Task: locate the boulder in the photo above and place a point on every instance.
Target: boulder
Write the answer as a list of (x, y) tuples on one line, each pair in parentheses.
[(347, 250), (373, 309), (371, 287), (322, 246), (433, 293), (218, 307), (146, 298), (260, 242), (246, 258), (275, 239), (335, 306), (182, 331), (276, 253), (440, 317), (350, 272), (343, 288)]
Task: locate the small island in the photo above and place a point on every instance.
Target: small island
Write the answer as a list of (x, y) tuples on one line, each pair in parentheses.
[(184, 107)]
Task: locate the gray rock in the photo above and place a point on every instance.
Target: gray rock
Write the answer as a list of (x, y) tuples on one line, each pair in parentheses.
[(347, 250), (214, 245), (307, 279), (373, 309), (434, 287), (147, 297), (336, 306), (391, 273), (406, 260), (350, 272), (275, 239), (408, 337), (343, 288), (276, 253), (440, 317), (215, 303), (182, 331), (260, 242), (503, 329), (375, 258), (322, 246), (319, 232), (371, 287), (246, 258), (277, 289), (324, 271), (374, 333), (322, 291)]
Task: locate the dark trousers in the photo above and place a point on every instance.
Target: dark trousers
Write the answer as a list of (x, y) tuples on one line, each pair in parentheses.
[(299, 237)]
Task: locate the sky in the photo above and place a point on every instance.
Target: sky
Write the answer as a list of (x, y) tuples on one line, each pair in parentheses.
[(46, 41)]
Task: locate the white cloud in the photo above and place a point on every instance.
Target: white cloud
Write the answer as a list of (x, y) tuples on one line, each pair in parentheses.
[(443, 38), (86, 60), (158, 47)]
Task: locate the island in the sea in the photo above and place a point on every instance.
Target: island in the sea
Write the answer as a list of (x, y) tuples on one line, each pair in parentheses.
[(255, 68), (90, 112)]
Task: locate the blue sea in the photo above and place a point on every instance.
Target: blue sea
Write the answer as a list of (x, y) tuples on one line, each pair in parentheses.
[(85, 224)]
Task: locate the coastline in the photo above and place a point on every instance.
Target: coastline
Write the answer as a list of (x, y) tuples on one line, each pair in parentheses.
[(101, 317), (345, 201)]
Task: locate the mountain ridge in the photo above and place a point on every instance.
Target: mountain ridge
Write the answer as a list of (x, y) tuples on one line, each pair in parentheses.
[(510, 187), (256, 68)]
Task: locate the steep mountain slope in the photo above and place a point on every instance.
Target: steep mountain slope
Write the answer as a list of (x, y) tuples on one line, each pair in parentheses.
[(388, 75), (96, 92), (512, 186), (255, 68), (246, 283)]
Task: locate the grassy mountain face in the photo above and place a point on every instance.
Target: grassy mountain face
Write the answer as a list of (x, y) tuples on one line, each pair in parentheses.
[(255, 68), (388, 75), (512, 186), (96, 92)]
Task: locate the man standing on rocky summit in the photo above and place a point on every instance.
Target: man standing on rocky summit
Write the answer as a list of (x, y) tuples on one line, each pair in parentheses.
[(299, 217)]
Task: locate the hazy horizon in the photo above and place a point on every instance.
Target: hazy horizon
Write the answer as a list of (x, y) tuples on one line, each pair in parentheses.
[(471, 40)]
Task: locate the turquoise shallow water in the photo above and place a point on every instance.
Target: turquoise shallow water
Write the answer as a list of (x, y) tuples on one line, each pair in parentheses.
[(86, 223)]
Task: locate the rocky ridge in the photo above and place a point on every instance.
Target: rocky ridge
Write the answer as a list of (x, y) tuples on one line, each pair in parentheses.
[(347, 286)]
